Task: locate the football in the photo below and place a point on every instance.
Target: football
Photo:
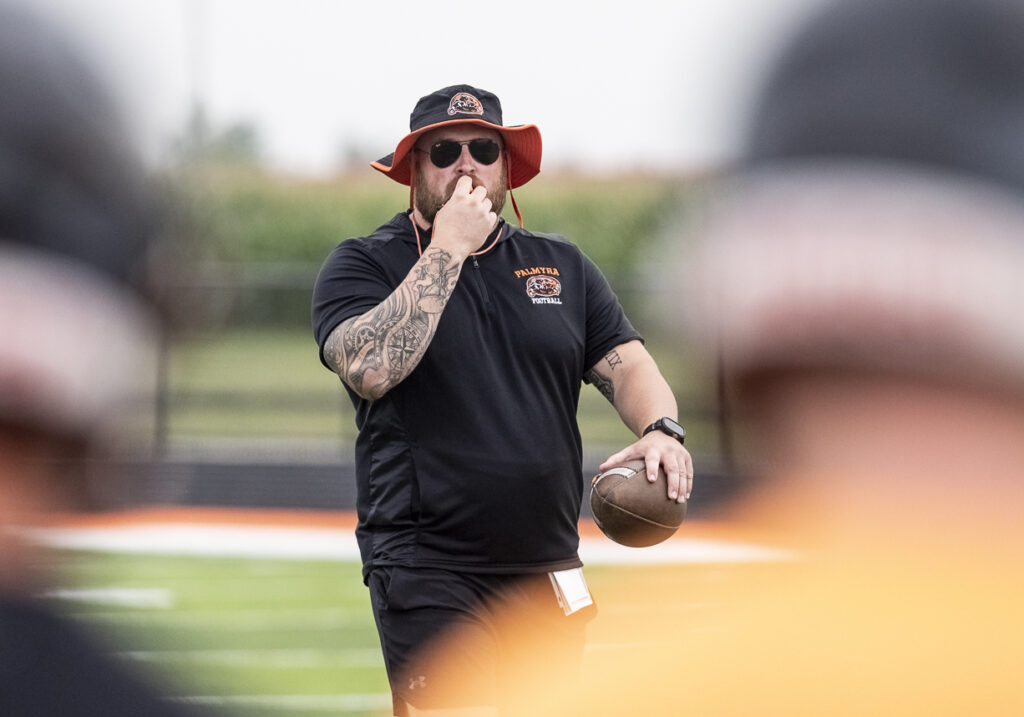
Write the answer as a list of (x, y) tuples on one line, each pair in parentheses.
[(631, 510)]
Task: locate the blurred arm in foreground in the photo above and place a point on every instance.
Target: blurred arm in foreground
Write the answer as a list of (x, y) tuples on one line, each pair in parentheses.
[(79, 329)]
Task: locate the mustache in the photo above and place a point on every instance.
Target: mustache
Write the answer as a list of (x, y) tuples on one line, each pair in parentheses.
[(450, 189)]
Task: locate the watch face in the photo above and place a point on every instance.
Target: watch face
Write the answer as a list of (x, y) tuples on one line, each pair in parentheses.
[(673, 427)]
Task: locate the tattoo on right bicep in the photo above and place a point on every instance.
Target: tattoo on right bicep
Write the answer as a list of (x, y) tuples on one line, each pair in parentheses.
[(377, 350)]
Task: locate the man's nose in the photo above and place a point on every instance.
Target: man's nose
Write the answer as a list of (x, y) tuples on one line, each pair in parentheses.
[(465, 164)]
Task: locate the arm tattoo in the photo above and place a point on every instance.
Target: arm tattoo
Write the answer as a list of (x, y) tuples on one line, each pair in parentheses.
[(374, 352), (604, 383)]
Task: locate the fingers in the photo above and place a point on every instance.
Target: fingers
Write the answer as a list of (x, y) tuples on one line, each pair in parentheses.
[(679, 471), (470, 184), (678, 476), (652, 461), (672, 458), (617, 459), (465, 220), (471, 188), (676, 487)]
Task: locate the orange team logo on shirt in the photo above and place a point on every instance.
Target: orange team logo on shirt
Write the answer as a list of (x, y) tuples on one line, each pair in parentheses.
[(465, 103), (543, 286)]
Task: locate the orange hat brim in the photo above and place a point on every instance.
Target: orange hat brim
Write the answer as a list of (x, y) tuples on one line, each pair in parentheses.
[(522, 147)]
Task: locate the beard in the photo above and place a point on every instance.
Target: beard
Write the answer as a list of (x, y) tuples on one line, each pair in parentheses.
[(428, 201)]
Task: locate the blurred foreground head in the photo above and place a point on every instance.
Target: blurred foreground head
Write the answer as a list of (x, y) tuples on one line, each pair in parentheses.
[(77, 230), (862, 267), (858, 279)]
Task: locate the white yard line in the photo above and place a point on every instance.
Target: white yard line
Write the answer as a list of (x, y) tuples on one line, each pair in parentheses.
[(207, 540), (340, 545), (151, 598), (233, 620), (281, 657), (364, 702)]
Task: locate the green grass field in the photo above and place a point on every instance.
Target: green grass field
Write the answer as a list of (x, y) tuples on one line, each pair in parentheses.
[(254, 637), (259, 637)]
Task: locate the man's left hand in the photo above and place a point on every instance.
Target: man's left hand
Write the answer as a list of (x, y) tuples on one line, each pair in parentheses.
[(657, 448)]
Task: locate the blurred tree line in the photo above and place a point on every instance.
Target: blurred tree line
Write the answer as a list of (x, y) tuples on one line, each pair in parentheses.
[(260, 236), (255, 239)]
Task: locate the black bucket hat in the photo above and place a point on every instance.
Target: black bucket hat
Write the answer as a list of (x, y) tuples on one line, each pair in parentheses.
[(459, 104)]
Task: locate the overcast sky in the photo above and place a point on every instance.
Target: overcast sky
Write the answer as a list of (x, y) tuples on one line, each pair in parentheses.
[(612, 85)]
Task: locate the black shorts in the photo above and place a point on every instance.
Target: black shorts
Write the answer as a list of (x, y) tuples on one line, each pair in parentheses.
[(470, 639)]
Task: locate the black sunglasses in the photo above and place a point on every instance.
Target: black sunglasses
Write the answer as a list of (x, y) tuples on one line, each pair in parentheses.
[(444, 153)]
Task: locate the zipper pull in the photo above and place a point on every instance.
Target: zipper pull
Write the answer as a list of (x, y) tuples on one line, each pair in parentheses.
[(476, 264)]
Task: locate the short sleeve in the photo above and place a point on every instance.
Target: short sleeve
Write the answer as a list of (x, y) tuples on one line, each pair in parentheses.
[(351, 282), (607, 325)]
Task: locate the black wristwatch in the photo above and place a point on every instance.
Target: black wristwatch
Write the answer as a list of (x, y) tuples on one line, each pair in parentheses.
[(669, 427)]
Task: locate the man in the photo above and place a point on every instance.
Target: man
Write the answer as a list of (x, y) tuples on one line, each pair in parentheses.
[(78, 329), (463, 342)]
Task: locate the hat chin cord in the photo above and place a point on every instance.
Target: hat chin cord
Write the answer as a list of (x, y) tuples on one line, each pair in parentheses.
[(515, 208)]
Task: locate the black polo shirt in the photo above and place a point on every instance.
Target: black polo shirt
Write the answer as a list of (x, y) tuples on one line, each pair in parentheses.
[(473, 462)]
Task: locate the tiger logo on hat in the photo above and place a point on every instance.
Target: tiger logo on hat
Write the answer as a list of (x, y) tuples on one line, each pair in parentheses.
[(465, 103)]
